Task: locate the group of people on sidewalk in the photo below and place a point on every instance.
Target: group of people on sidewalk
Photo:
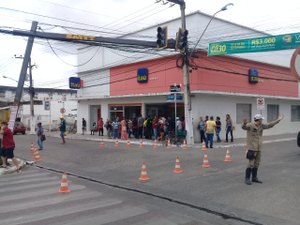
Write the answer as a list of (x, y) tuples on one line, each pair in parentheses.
[(152, 128), (209, 127)]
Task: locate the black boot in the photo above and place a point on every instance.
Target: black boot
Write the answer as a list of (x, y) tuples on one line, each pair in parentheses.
[(254, 176), (247, 177)]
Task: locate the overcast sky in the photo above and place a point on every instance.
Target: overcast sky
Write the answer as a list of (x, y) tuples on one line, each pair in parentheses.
[(116, 17)]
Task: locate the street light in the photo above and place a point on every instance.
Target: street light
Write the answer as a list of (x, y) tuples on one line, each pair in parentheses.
[(224, 8)]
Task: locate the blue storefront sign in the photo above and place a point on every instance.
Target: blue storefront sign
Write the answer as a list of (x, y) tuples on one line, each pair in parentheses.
[(74, 82), (253, 76), (142, 75)]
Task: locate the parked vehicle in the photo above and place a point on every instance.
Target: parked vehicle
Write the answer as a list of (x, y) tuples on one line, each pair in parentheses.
[(298, 139), (19, 128)]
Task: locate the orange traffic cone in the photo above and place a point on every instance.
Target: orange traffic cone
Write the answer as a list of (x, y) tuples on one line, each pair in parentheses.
[(184, 146), (141, 143), (169, 143), (144, 175), (227, 156), (101, 143), (203, 146), (36, 154), (205, 163), (128, 143), (155, 144), (177, 166), (64, 188), (32, 147), (117, 143)]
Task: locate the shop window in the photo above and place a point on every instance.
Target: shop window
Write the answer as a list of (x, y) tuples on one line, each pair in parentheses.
[(295, 113), (243, 111), (272, 112)]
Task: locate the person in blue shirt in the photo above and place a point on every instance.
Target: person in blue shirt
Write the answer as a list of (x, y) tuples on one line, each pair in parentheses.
[(40, 132)]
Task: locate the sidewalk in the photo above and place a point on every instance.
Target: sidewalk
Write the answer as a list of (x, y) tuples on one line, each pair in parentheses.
[(237, 142)]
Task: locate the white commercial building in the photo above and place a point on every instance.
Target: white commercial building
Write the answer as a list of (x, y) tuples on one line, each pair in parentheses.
[(219, 85)]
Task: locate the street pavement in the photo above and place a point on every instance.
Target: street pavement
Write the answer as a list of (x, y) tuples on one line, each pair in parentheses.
[(32, 198), (219, 188), (87, 137)]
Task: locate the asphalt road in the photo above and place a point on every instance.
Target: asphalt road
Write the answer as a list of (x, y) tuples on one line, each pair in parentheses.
[(215, 195)]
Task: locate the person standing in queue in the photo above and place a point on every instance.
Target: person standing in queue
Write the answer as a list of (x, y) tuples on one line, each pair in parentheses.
[(83, 125), (229, 128), (210, 127), (100, 125), (62, 129), (8, 146), (254, 144)]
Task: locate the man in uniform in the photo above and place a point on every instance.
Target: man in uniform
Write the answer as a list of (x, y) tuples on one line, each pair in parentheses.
[(254, 144)]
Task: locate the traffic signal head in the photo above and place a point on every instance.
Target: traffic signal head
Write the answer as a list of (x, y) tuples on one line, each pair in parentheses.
[(162, 37), (181, 39)]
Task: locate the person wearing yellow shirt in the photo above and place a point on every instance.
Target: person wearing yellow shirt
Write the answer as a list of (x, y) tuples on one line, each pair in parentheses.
[(210, 127)]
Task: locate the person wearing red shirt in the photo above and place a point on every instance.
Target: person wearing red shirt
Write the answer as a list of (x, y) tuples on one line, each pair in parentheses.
[(8, 146), (100, 126)]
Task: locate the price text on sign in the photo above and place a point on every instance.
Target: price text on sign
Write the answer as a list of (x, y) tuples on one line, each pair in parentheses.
[(260, 44)]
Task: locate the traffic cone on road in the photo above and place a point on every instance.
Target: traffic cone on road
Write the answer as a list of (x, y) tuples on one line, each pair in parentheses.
[(155, 144), (128, 144), (203, 147), (205, 163), (184, 146), (117, 143), (36, 154), (144, 175), (101, 143), (177, 166), (32, 147), (227, 156), (64, 187), (141, 143)]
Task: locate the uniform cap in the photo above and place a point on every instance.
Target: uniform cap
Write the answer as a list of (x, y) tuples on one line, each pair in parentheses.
[(258, 117)]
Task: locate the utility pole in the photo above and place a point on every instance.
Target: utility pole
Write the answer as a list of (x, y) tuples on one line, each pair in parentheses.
[(186, 80), (31, 94), (26, 62)]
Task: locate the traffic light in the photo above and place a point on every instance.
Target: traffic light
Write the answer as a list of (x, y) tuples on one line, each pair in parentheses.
[(162, 37), (181, 39)]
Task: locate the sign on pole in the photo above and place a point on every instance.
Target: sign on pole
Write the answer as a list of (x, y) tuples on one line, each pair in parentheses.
[(260, 102), (259, 44)]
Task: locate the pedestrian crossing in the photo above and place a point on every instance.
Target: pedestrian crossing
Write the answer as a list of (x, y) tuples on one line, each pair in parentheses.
[(31, 197)]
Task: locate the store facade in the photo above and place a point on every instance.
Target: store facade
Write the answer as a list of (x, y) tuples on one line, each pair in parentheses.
[(219, 85)]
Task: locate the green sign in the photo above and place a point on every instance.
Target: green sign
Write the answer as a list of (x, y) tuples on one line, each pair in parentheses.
[(260, 44)]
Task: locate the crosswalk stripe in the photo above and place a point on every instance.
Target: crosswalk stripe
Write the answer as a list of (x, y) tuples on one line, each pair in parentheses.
[(14, 219)]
